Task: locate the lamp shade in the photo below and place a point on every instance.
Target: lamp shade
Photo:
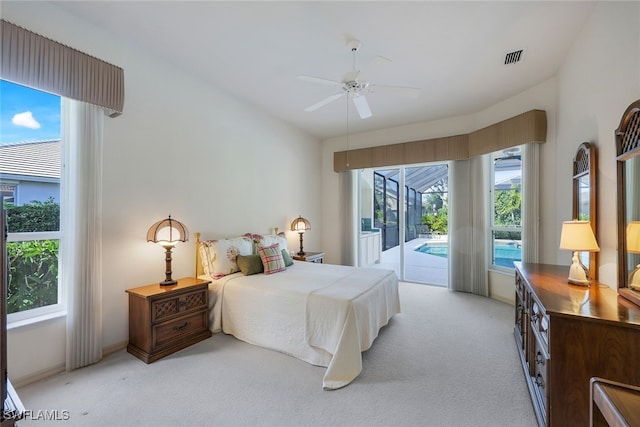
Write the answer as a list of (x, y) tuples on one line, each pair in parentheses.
[(167, 232), (633, 237), (300, 225), (578, 236)]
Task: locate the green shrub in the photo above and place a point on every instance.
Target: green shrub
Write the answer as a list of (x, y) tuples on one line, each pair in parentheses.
[(33, 274), (33, 216), (33, 265), (437, 222)]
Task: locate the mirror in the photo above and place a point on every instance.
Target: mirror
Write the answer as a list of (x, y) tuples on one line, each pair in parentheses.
[(584, 199), (628, 168)]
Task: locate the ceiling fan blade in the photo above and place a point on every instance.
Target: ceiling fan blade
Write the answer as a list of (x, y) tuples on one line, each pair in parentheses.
[(409, 92), (372, 66), (325, 101), (362, 106), (320, 80)]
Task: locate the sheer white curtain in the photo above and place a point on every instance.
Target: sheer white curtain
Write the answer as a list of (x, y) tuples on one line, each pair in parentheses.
[(81, 224), (531, 202), (468, 198), (348, 198)]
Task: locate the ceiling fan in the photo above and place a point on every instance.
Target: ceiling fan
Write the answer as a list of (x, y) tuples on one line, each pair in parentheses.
[(354, 83)]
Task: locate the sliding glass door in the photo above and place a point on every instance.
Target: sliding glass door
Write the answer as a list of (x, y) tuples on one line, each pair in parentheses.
[(403, 217), (387, 206)]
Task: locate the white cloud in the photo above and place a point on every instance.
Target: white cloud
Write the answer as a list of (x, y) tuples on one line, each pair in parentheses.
[(25, 120)]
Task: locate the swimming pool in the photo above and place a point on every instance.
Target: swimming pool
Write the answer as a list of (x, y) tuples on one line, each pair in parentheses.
[(504, 254)]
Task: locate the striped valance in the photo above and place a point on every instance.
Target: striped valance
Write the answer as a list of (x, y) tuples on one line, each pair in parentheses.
[(33, 60)]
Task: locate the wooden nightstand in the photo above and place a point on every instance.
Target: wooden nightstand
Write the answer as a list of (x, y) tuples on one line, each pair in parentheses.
[(165, 319), (310, 257)]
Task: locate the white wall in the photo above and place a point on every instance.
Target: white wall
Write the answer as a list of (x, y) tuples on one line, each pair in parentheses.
[(584, 102), (188, 149), (597, 82), (182, 148)]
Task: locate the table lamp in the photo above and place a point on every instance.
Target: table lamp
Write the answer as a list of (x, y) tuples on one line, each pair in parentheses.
[(633, 247), (168, 232), (577, 236), (300, 225)]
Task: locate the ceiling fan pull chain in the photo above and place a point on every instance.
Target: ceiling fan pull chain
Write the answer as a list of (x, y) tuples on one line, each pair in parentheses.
[(347, 98), (354, 58)]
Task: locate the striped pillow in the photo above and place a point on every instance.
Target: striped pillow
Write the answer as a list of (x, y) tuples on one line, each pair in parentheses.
[(271, 257)]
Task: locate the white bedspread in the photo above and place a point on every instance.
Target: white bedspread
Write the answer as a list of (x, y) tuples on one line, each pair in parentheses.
[(323, 314)]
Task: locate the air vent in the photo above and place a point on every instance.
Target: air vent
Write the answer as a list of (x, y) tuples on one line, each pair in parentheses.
[(513, 57)]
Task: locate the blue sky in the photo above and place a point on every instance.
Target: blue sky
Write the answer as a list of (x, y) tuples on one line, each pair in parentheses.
[(27, 114)]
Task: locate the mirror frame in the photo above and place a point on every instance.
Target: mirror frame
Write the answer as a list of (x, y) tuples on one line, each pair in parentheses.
[(627, 146), (584, 164)]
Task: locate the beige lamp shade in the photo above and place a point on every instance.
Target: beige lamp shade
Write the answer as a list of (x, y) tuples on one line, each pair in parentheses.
[(633, 237), (300, 225), (578, 236), (168, 232)]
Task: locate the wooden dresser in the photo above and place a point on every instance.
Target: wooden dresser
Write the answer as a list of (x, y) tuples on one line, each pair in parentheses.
[(567, 334)]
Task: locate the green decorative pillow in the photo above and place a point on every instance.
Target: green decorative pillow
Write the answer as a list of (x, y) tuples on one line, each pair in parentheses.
[(272, 260), (250, 264), (287, 258)]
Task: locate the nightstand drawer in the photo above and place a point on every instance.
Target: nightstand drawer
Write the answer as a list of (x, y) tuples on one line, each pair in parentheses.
[(169, 332), (167, 307)]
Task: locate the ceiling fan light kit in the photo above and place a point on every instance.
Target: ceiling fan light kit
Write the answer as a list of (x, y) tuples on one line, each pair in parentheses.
[(354, 83)]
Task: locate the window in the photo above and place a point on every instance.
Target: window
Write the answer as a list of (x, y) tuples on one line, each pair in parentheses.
[(30, 183), (8, 191), (506, 208)]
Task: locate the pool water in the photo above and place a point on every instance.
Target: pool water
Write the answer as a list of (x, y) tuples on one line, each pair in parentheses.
[(504, 255)]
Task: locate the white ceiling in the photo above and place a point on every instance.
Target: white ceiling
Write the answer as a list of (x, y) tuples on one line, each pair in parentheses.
[(454, 51)]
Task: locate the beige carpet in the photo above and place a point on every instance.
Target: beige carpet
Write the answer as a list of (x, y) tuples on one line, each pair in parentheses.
[(448, 360)]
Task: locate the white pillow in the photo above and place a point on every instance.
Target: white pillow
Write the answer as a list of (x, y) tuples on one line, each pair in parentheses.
[(272, 239), (219, 257)]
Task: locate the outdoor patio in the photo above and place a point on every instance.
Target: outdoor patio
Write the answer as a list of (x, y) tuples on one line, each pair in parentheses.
[(419, 267)]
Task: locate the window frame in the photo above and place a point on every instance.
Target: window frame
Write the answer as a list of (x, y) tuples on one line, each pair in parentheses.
[(59, 309), (40, 313), (491, 225)]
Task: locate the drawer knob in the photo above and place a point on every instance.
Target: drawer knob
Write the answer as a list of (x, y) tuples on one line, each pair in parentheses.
[(539, 381), (179, 328)]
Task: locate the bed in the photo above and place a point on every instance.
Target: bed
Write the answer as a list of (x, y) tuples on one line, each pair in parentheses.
[(323, 314)]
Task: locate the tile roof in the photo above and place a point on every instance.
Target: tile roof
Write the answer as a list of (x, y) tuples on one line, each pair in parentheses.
[(40, 158)]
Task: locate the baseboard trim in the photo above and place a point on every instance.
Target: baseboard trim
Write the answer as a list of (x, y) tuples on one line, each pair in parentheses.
[(110, 349), (46, 373), (60, 368), (502, 299)]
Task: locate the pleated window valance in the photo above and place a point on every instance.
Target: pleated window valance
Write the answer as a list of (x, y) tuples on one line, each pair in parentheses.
[(33, 60), (518, 130)]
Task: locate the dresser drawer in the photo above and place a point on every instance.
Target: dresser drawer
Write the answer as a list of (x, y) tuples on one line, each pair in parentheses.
[(541, 362), (519, 285), (540, 324), (170, 332), (167, 307)]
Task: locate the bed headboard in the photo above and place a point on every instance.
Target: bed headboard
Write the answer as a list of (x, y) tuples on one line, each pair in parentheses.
[(199, 268)]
